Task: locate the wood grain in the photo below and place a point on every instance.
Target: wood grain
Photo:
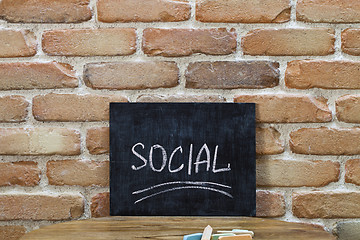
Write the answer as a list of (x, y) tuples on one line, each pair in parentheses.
[(174, 228)]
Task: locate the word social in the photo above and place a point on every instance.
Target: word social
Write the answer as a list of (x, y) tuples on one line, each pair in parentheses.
[(168, 162)]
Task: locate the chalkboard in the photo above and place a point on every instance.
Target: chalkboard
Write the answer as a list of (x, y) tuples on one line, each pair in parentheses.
[(182, 159)]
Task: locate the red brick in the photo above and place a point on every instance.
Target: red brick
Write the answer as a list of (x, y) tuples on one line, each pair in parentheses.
[(13, 108), (143, 11), (288, 108), (131, 75), (318, 204), (352, 174), (268, 141), (231, 75), (270, 204), (11, 232), (325, 11), (15, 43), (72, 107), (185, 42), (90, 42), (350, 41), (180, 98), (243, 11), (19, 173), (348, 108), (39, 141), (100, 205), (35, 75), (81, 173), (296, 173), (97, 140), (40, 207), (45, 11), (306, 74), (289, 42), (326, 141)]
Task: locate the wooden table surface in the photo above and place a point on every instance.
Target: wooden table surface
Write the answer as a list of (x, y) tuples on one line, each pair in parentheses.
[(173, 228)]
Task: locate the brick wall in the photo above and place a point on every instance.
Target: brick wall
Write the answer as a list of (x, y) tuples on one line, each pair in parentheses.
[(62, 62)]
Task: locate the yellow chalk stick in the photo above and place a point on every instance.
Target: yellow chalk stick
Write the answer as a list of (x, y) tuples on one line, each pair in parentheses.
[(237, 237)]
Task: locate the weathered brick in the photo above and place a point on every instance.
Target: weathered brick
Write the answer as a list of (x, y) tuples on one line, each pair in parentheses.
[(45, 11), (231, 75), (72, 107), (289, 42), (15, 43), (81, 173), (35, 75), (100, 205), (347, 230), (19, 173), (352, 174), (326, 141), (185, 42), (268, 141), (40, 207), (13, 108), (143, 11), (350, 41), (131, 75), (90, 42), (180, 98), (243, 11), (348, 108), (296, 173), (11, 232), (306, 74), (318, 204), (325, 11), (39, 141), (270, 204), (288, 108), (97, 140)]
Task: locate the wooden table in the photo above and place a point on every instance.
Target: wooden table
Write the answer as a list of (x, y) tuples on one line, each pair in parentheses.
[(173, 228)]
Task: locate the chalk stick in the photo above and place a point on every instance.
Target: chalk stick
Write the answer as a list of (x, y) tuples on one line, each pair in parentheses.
[(242, 231), (207, 233), (238, 231), (194, 236), (236, 237), (216, 236)]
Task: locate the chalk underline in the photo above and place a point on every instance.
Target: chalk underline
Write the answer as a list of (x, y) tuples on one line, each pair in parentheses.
[(180, 182), (186, 187)]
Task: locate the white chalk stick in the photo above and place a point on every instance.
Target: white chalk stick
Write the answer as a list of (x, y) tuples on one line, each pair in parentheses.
[(207, 233), (239, 231)]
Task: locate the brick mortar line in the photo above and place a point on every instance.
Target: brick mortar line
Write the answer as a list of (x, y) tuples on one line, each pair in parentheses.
[(53, 190), (192, 23), (193, 10), (104, 157), (288, 206), (77, 125), (93, 7), (293, 4)]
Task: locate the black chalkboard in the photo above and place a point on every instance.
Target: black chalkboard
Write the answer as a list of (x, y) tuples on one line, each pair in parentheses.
[(182, 159)]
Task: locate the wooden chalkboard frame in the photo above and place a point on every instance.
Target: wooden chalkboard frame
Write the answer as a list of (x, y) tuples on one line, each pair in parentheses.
[(145, 135)]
